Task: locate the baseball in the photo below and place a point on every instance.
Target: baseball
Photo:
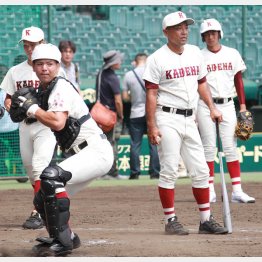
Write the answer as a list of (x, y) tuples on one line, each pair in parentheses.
[(158, 139)]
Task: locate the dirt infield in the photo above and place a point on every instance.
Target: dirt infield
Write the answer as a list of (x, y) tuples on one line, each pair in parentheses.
[(127, 221)]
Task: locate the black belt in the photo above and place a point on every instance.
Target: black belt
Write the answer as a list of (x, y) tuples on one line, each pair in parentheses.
[(221, 100), (75, 149), (184, 112), (30, 121)]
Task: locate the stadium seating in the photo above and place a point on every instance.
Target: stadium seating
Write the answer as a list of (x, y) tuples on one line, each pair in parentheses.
[(130, 29)]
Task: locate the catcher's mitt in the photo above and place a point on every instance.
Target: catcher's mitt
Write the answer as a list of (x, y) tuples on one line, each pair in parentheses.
[(245, 124), (18, 109)]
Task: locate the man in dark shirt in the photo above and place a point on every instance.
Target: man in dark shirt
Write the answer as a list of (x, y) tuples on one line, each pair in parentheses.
[(110, 96)]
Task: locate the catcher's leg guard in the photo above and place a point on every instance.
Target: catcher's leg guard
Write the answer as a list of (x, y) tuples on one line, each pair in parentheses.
[(40, 205), (56, 209)]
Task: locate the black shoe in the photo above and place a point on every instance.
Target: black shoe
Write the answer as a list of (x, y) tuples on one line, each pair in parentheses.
[(34, 221), (76, 241), (154, 176), (173, 227), (50, 247), (211, 227), (134, 176)]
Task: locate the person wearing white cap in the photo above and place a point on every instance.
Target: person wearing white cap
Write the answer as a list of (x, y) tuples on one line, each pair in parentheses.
[(37, 142), (225, 67), (109, 95), (62, 110), (174, 76)]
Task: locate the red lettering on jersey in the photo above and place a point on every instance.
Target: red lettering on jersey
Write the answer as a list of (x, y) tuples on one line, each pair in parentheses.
[(175, 74), (27, 32), (31, 83), (37, 83), (18, 85), (181, 72), (188, 72), (27, 83), (214, 67), (180, 15), (193, 70), (168, 74), (220, 67)]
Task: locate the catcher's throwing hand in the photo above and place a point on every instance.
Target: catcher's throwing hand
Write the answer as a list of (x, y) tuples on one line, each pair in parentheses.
[(245, 125)]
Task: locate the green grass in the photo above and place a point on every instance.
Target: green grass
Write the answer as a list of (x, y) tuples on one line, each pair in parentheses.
[(142, 181)]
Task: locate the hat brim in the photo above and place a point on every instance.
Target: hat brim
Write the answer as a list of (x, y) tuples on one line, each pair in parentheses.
[(189, 21), (117, 60)]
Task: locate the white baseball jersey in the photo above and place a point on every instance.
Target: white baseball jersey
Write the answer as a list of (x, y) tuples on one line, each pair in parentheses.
[(222, 67), (176, 75), (96, 159)]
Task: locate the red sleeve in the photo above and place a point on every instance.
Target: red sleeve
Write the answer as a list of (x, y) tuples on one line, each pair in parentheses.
[(202, 80), (238, 80), (150, 85)]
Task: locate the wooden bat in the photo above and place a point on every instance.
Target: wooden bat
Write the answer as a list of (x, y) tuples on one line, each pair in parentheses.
[(224, 195)]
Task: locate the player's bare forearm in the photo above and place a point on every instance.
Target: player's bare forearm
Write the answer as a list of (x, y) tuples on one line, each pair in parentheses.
[(152, 129), (206, 96), (55, 120)]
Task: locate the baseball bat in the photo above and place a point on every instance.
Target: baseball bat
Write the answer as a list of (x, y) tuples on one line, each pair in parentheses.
[(224, 195)]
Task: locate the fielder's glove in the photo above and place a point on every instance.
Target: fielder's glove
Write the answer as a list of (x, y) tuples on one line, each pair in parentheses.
[(23, 104), (245, 125)]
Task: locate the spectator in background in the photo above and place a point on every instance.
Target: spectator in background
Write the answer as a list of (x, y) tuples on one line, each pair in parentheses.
[(68, 49), (134, 90), (110, 96)]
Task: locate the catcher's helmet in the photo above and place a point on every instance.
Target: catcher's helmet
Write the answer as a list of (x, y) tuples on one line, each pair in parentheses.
[(46, 51), (211, 25)]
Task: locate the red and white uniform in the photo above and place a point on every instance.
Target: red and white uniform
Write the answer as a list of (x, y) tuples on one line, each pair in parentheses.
[(222, 66), (177, 77)]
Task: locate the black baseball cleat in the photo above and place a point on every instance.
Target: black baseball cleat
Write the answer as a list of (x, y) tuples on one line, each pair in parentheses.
[(211, 227), (173, 227), (50, 247), (134, 176), (34, 221)]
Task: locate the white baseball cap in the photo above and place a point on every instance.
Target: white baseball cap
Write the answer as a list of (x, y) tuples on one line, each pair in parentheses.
[(211, 25), (175, 19), (32, 34), (46, 51)]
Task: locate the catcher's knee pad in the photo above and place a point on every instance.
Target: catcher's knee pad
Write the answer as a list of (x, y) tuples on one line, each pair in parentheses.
[(56, 209)]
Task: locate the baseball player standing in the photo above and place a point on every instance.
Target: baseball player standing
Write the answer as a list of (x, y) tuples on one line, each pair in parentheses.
[(37, 142), (174, 74), (225, 67), (63, 111)]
